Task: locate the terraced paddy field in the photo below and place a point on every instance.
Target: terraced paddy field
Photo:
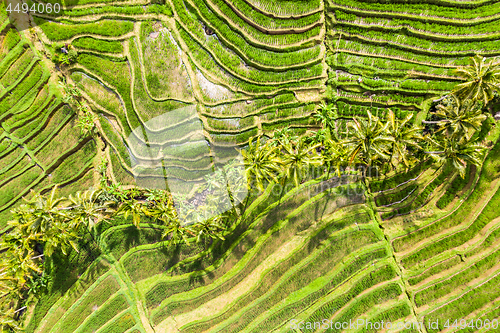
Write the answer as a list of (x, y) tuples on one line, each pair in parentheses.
[(38, 146), (178, 88)]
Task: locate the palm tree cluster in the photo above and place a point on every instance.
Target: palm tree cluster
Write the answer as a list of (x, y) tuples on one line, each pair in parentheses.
[(385, 145), (370, 142), (47, 223)]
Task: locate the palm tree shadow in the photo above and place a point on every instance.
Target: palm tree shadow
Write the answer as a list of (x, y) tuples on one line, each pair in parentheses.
[(69, 268)]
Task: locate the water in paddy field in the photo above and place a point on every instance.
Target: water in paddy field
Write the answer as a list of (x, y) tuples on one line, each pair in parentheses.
[(171, 153)]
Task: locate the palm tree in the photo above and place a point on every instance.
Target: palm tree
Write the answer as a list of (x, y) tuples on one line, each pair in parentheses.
[(337, 156), (326, 114), (261, 163), (39, 213), (369, 139), (8, 323), (162, 211), (61, 236), (457, 151), (87, 210), (17, 264), (297, 156), (208, 225), (460, 118), (132, 207), (404, 135), (482, 80), (44, 220), (177, 232)]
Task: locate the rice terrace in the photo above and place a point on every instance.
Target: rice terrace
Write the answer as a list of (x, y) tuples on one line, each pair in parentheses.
[(249, 166)]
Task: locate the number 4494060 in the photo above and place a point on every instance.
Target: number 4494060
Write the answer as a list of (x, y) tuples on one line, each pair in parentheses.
[(35, 8), (477, 324)]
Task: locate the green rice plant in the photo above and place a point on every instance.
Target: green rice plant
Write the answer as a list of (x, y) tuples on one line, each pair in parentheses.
[(287, 112), (22, 162), (5, 144), (455, 186), (10, 40), (481, 320), (73, 163), (492, 238), (236, 66), (18, 186), (34, 126), (307, 121), (400, 178), (49, 130), (29, 83), (121, 239), (277, 318), (122, 175), (386, 199), (40, 103), (107, 69), (104, 314), (82, 181), (298, 275), (433, 270), (220, 248), (11, 56), (120, 325), (259, 105), (9, 158), (391, 51), (230, 123), (73, 275), (115, 140), (363, 303), (371, 66), (489, 213), (84, 307), (303, 298), (369, 301), (285, 8), (266, 22), (422, 198), (250, 33), (59, 31), (488, 173), (17, 68), (98, 45), (457, 280), (390, 315), (287, 228), (156, 260), (203, 58), (467, 303), (452, 12), (416, 44), (434, 30), (66, 141), (252, 55)]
